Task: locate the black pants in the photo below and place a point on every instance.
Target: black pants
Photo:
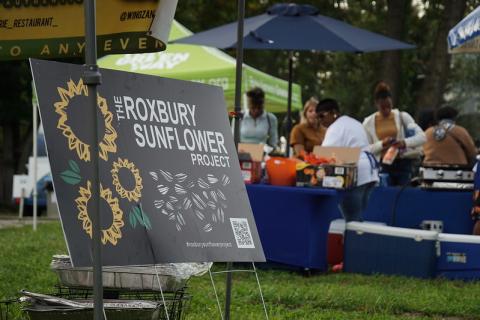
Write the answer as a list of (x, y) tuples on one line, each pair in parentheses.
[(399, 172)]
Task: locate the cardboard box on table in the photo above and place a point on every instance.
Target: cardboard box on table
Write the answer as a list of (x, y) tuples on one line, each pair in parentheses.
[(250, 156), (341, 175)]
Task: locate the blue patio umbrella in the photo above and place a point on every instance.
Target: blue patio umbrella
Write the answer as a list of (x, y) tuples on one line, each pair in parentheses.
[(464, 37), (295, 27)]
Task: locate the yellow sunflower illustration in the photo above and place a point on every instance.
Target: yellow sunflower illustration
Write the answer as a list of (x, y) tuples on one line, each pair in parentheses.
[(134, 194), (107, 144), (112, 233)]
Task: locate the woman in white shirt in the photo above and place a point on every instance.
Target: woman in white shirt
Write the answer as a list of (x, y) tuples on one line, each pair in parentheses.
[(392, 127), (344, 131)]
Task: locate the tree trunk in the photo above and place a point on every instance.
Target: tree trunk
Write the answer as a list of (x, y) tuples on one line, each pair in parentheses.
[(390, 71), (7, 163), (431, 91)]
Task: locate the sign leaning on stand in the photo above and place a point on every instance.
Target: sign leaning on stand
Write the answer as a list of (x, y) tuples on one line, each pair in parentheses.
[(170, 183)]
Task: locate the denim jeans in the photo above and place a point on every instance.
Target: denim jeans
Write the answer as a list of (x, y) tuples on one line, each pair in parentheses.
[(355, 200)]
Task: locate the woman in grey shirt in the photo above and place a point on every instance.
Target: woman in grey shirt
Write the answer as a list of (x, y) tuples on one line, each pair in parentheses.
[(258, 125)]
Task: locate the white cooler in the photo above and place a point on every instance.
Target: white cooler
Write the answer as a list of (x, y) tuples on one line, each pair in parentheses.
[(459, 256), (373, 248)]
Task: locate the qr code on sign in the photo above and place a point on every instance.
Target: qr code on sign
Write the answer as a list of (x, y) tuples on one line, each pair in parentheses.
[(242, 233)]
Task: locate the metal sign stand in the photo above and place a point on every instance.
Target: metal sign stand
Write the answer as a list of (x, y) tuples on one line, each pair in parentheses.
[(161, 292), (229, 272), (92, 79), (236, 131)]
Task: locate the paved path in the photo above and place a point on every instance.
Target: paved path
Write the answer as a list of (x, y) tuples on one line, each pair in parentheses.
[(12, 221)]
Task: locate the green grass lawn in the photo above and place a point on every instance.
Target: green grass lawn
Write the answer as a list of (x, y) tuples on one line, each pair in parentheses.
[(25, 257)]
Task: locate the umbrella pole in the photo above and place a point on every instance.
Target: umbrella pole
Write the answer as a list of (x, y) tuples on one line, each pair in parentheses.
[(92, 78), (289, 103), (236, 135), (238, 71)]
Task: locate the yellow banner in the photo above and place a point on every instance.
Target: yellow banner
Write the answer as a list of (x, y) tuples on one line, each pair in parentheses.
[(56, 28)]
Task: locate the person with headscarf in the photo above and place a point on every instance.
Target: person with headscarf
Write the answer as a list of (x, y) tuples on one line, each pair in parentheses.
[(447, 142), (344, 131), (391, 127), (309, 132)]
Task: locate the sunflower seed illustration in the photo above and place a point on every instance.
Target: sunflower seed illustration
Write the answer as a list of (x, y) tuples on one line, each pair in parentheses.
[(202, 184), (222, 215), (214, 217), (211, 178), (179, 189), (212, 205), (162, 189), (154, 175), (197, 204), (199, 214), (225, 180), (187, 203), (180, 177), (220, 194), (191, 184), (158, 203), (214, 195), (165, 212), (181, 220), (169, 206), (205, 194), (166, 175), (199, 199), (172, 199), (207, 227)]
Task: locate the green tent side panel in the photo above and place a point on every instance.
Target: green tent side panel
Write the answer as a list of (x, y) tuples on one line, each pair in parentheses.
[(205, 65)]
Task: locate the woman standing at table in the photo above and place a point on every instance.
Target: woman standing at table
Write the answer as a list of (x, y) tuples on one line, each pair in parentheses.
[(258, 125), (309, 132), (344, 131), (390, 127)]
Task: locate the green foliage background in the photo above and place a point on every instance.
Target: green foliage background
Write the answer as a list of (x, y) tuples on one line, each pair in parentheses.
[(350, 78)]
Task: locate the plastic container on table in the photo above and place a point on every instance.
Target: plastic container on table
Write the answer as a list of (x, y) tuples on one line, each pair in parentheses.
[(281, 171)]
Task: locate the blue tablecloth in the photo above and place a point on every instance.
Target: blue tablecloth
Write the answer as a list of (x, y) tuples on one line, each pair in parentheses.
[(293, 222), (415, 205)]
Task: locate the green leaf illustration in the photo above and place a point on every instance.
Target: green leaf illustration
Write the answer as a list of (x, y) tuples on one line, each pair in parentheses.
[(70, 177), (136, 211), (74, 166), (146, 221), (132, 219)]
